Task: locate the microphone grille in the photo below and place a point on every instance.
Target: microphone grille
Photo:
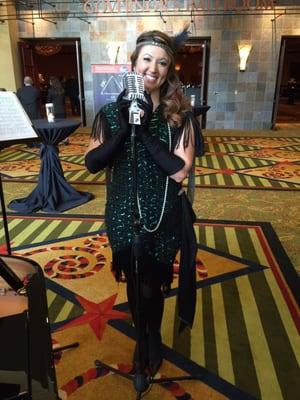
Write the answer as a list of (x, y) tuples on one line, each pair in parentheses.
[(134, 85)]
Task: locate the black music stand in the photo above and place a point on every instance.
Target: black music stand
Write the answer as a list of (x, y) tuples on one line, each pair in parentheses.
[(16, 128), (35, 322), (140, 379), (4, 218)]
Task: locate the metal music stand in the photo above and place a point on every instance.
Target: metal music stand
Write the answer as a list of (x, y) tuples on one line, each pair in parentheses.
[(16, 128), (4, 218)]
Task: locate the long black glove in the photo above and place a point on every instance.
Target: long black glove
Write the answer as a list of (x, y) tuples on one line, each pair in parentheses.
[(168, 162), (101, 156)]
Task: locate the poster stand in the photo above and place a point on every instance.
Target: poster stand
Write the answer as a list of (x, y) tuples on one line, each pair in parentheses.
[(15, 128)]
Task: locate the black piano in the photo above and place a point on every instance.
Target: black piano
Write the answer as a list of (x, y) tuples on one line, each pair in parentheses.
[(26, 357)]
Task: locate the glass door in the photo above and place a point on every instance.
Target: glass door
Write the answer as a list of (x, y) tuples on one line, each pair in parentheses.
[(192, 67)]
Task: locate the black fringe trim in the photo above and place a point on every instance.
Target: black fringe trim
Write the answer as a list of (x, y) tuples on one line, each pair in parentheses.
[(190, 127), (150, 270), (101, 129)]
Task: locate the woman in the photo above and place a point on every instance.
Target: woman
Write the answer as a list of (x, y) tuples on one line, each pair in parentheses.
[(165, 154), (56, 95)]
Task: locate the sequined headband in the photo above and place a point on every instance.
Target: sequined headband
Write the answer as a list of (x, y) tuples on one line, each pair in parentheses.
[(155, 43)]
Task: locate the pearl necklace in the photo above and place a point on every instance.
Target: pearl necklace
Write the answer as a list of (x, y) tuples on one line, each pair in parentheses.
[(165, 196)]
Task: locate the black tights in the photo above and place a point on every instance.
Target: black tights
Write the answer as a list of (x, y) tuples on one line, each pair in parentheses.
[(151, 304), (150, 313)]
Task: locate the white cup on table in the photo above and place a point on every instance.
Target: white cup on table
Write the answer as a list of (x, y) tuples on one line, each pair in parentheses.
[(193, 100), (50, 112)]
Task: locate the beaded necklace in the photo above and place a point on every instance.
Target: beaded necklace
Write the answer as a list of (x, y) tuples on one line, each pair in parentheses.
[(165, 196)]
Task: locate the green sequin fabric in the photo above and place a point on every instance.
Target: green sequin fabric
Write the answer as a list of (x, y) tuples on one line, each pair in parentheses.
[(162, 245)]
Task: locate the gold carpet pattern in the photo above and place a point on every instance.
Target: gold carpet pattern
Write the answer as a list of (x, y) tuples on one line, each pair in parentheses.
[(244, 344), (229, 162), (247, 312)]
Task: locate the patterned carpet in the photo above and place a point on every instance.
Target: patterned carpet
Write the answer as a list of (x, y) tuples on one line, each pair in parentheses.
[(245, 340), (229, 162), (249, 162)]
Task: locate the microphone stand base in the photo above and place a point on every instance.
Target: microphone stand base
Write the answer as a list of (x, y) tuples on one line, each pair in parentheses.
[(142, 381)]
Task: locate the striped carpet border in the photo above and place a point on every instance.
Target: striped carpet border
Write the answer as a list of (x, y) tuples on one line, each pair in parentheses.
[(215, 177), (289, 139), (243, 333), (16, 155), (244, 342), (215, 180), (246, 241), (238, 180), (230, 162), (62, 304), (241, 327), (235, 238)]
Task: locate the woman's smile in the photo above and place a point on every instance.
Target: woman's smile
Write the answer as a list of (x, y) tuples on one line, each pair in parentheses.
[(153, 63)]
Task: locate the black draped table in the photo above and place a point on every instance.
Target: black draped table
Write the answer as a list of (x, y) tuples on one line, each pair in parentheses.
[(53, 192)]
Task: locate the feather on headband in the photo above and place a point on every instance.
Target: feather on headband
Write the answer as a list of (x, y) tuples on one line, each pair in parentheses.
[(180, 38), (154, 38)]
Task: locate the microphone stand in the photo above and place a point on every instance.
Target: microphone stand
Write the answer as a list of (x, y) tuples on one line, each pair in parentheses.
[(140, 379)]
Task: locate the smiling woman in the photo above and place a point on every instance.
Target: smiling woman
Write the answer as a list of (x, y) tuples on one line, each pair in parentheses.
[(167, 140), (153, 63)]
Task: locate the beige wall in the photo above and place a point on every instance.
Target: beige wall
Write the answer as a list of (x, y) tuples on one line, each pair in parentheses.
[(237, 100), (10, 71)]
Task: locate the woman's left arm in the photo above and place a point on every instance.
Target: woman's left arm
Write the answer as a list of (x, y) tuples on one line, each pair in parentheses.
[(186, 153)]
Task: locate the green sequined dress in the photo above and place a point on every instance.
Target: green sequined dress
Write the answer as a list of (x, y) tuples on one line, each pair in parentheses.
[(160, 247)]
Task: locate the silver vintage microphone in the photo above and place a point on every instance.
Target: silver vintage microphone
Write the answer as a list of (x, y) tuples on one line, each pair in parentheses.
[(134, 85)]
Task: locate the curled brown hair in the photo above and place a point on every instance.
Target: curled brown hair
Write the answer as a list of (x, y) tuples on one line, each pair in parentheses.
[(174, 102)]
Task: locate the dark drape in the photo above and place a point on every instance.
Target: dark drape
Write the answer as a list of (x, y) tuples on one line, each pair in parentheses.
[(53, 192)]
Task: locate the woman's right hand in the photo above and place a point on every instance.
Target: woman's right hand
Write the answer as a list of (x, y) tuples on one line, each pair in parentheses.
[(123, 115), (147, 109)]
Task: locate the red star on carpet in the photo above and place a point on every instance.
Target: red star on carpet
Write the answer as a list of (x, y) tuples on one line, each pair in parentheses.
[(97, 314)]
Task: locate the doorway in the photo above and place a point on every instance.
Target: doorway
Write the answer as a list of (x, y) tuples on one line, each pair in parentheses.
[(286, 110), (192, 63), (43, 57)]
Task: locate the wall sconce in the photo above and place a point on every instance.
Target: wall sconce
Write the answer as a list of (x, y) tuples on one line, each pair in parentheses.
[(244, 51)]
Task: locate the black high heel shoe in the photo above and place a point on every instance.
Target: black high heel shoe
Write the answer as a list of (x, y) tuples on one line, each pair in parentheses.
[(144, 360), (155, 352), (155, 367)]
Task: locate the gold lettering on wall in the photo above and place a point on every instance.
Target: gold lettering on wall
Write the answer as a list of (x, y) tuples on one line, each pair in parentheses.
[(169, 6)]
